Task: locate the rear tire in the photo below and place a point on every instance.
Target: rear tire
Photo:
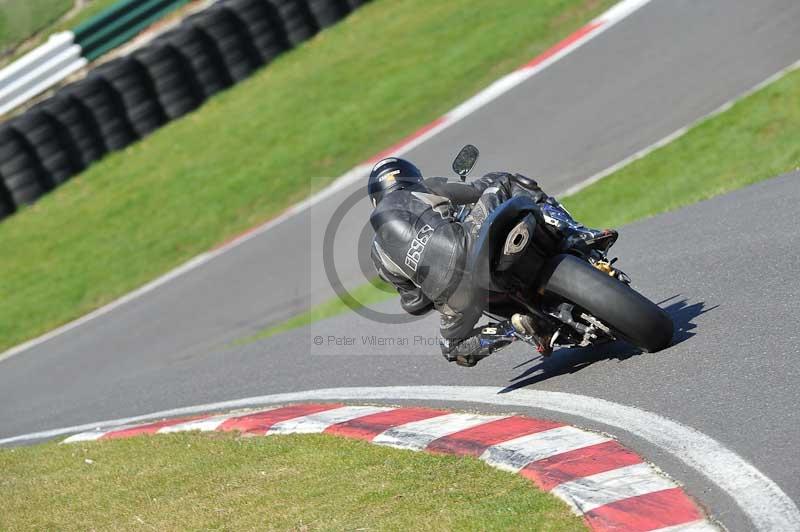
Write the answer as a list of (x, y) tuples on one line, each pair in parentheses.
[(632, 316)]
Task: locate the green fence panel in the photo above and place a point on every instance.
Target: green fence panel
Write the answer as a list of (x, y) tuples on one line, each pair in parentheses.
[(120, 23), (91, 25)]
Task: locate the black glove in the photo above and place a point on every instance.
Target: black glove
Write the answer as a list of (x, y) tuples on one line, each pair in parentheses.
[(529, 185)]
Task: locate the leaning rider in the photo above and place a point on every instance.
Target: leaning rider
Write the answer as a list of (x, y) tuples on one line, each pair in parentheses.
[(421, 247)]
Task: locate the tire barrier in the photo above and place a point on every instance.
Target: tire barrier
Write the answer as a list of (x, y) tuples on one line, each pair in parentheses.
[(264, 27), (328, 12), (23, 175), (7, 206), (172, 78), (231, 37), (201, 54), (131, 80), (104, 105), (76, 122), (298, 22), (50, 144), (128, 98)]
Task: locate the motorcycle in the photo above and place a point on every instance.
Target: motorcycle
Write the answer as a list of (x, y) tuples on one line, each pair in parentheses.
[(536, 259)]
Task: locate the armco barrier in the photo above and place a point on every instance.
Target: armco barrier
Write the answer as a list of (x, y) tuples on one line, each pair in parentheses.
[(66, 52), (39, 70), (120, 23), (128, 98)]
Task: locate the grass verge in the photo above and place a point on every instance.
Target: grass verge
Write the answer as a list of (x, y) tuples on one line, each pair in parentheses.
[(298, 482), (253, 150), (19, 19), (36, 20), (754, 140)]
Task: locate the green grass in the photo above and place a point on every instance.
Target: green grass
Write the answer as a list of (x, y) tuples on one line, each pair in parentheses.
[(10, 50), (308, 482), (755, 140), (91, 9), (19, 19), (252, 151)]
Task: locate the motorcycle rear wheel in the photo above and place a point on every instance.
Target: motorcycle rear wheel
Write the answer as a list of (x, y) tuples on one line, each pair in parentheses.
[(630, 315)]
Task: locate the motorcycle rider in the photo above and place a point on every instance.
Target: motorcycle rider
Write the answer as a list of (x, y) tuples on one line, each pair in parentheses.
[(421, 247)]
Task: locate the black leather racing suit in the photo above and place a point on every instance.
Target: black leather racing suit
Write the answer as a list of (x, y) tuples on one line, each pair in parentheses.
[(421, 248)]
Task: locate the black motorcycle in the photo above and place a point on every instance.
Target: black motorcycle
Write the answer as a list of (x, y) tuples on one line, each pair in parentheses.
[(536, 260)]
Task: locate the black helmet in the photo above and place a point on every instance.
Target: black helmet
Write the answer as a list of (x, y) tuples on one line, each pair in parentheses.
[(391, 174)]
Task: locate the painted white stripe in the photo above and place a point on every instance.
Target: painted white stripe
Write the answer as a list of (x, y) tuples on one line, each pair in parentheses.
[(97, 433), (205, 424), (322, 420), (418, 434), (86, 436), (587, 493), (497, 89), (515, 454), (763, 501), (695, 526), (621, 10)]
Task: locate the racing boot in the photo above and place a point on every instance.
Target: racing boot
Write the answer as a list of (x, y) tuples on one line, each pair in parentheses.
[(526, 326), (483, 341)]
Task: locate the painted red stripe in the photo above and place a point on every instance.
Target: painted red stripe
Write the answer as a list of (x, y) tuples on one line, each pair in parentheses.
[(242, 234), (551, 472), (367, 427), (150, 428), (475, 440), (572, 39), (261, 422), (400, 145), (646, 512), (579, 34)]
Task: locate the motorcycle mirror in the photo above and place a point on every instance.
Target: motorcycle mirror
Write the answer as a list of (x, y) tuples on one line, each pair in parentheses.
[(465, 161)]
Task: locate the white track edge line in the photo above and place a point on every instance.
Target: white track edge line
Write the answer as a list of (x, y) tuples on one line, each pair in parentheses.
[(615, 14), (763, 501), (678, 133)]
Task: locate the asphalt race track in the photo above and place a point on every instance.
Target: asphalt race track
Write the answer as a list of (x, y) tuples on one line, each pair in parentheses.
[(730, 375)]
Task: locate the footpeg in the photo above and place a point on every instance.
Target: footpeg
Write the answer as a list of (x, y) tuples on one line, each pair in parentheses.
[(525, 326)]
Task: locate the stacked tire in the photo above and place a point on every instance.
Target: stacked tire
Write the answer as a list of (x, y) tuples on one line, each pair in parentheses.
[(24, 179), (7, 207), (132, 83), (202, 57), (328, 12), (264, 27), (78, 124), (50, 144), (298, 23), (172, 78), (232, 39), (104, 105), (130, 97)]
